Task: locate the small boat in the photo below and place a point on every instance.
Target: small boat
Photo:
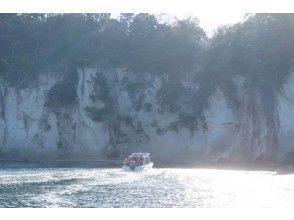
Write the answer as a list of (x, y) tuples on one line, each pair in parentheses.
[(137, 162)]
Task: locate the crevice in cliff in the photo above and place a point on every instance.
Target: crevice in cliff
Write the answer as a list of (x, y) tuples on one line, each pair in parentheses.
[(3, 92), (105, 89)]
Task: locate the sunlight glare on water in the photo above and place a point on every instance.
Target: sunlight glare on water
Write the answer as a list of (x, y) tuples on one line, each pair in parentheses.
[(154, 188)]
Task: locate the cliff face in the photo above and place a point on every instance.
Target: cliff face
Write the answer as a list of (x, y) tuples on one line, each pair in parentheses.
[(31, 129), (286, 108), (249, 127), (117, 109)]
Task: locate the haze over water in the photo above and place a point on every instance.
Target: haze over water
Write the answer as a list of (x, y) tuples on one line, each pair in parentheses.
[(62, 187)]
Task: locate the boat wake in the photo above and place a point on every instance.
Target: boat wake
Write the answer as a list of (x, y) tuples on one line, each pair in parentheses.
[(60, 187)]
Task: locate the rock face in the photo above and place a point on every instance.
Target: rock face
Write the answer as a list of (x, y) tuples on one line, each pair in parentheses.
[(30, 129), (286, 133), (115, 109)]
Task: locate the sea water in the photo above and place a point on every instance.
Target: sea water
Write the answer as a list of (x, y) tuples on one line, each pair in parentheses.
[(97, 187)]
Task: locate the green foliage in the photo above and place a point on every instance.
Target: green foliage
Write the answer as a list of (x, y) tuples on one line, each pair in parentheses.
[(34, 42), (64, 93), (189, 121), (101, 89), (97, 114), (147, 106), (168, 96), (128, 120), (260, 50)]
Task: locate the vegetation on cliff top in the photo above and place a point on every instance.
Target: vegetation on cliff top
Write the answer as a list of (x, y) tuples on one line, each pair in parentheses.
[(261, 50)]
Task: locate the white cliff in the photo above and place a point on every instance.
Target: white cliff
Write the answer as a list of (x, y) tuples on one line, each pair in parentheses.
[(29, 128)]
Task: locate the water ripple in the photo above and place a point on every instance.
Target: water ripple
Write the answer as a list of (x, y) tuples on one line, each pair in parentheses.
[(154, 188)]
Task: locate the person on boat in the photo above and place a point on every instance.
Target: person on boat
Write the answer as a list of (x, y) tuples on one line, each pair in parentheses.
[(141, 160), (131, 159), (127, 160)]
